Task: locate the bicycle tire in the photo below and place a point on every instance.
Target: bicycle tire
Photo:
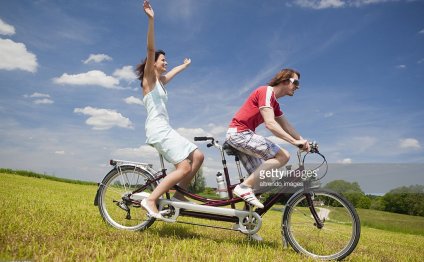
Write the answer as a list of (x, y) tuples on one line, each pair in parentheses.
[(335, 240), (113, 203)]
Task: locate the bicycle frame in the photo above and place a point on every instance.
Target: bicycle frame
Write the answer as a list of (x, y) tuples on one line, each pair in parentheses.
[(268, 203), (119, 205)]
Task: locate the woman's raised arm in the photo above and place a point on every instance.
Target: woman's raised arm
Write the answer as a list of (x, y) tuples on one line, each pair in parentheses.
[(149, 72)]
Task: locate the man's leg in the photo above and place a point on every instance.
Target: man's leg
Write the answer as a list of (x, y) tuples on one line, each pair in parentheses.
[(254, 147), (280, 159)]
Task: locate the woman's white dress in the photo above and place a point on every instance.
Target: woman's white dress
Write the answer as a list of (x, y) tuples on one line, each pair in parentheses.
[(171, 145)]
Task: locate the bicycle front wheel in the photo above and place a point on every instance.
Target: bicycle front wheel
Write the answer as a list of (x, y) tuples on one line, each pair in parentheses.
[(341, 226), (117, 204)]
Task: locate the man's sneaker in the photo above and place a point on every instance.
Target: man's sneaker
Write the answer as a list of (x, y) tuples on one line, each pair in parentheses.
[(247, 194)]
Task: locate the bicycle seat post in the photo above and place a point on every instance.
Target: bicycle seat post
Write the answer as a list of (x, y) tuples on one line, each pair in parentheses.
[(162, 165), (237, 160)]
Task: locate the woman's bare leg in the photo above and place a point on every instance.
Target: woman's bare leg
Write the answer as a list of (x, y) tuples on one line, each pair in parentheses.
[(182, 170), (196, 158)]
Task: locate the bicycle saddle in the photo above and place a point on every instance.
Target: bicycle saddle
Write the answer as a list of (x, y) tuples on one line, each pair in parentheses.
[(231, 151)]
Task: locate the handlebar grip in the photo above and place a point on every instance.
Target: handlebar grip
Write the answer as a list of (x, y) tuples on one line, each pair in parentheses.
[(200, 138), (313, 146)]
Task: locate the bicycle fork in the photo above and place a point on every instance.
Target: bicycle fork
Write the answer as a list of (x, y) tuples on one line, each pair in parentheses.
[(309, 198)]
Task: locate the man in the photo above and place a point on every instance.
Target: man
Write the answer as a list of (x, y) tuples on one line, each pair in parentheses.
[(256, 152)]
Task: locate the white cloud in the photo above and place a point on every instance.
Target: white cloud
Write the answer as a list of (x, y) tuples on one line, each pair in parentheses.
[(401, 66), (362, 143), (97, 58), (34, 95), (40, 98), (319, 4), (6, 29), (217, 131), (59, 152), (359, 145), (125, 73), (346, 161), (324, 4), (409, 143), (103, 119), (133, 101), (15, 56), (144, 152), (94, 77), (190, 133), (329, 114), (44, 101), (183, 9), (37, 95), (421, 31)]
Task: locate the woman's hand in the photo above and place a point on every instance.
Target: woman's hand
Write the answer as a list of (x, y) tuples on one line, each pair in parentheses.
[(148, 9), (187, 62)]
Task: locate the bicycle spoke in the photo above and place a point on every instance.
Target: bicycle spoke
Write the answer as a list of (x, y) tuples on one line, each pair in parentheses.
[(337, 237), (115, 204), (115, 190)]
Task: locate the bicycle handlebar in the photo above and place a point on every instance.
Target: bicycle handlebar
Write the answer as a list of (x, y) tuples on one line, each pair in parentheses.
[(313, 147)]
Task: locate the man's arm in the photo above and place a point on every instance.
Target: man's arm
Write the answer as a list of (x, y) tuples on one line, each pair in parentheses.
[(273, 124), (285, 124)]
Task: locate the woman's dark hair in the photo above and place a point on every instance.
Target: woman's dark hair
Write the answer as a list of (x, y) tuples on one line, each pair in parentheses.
[(283, 75), (139, 71)]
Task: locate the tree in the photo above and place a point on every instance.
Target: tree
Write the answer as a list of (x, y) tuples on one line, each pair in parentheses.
[(377, 202), (352, 191), (343, 186), (405, 200), (198, 183)]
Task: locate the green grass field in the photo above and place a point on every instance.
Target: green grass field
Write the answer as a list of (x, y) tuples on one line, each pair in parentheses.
[(41, 219)]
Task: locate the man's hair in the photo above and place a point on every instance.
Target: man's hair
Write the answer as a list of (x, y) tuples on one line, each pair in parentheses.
[(283, 75)]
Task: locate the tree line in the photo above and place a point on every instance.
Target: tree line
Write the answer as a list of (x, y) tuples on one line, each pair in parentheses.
[(407, 200)]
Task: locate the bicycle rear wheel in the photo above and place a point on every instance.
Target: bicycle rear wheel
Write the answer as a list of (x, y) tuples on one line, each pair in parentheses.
[(116, 203), (336, 239)]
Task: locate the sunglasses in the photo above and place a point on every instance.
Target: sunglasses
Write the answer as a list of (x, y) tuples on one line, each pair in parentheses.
[(295, 82)]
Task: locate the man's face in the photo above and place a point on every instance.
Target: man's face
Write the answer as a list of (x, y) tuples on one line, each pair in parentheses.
[(293, 85)]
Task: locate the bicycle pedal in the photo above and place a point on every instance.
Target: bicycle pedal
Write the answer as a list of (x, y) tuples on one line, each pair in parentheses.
[(165, 212)]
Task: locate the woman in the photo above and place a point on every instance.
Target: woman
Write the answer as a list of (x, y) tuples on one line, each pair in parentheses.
[(173, 147)]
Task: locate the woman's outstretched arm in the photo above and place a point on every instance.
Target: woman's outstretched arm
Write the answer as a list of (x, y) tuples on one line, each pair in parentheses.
[(174, 71), (149, 71)]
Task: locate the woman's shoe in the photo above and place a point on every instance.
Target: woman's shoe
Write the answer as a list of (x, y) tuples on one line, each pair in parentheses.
[(152, 214)]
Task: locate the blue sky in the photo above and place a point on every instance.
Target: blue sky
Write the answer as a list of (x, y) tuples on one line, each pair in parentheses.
[(69, 101)]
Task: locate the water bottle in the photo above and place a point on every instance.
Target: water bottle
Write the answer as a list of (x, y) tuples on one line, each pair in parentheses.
[(222, 187)]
